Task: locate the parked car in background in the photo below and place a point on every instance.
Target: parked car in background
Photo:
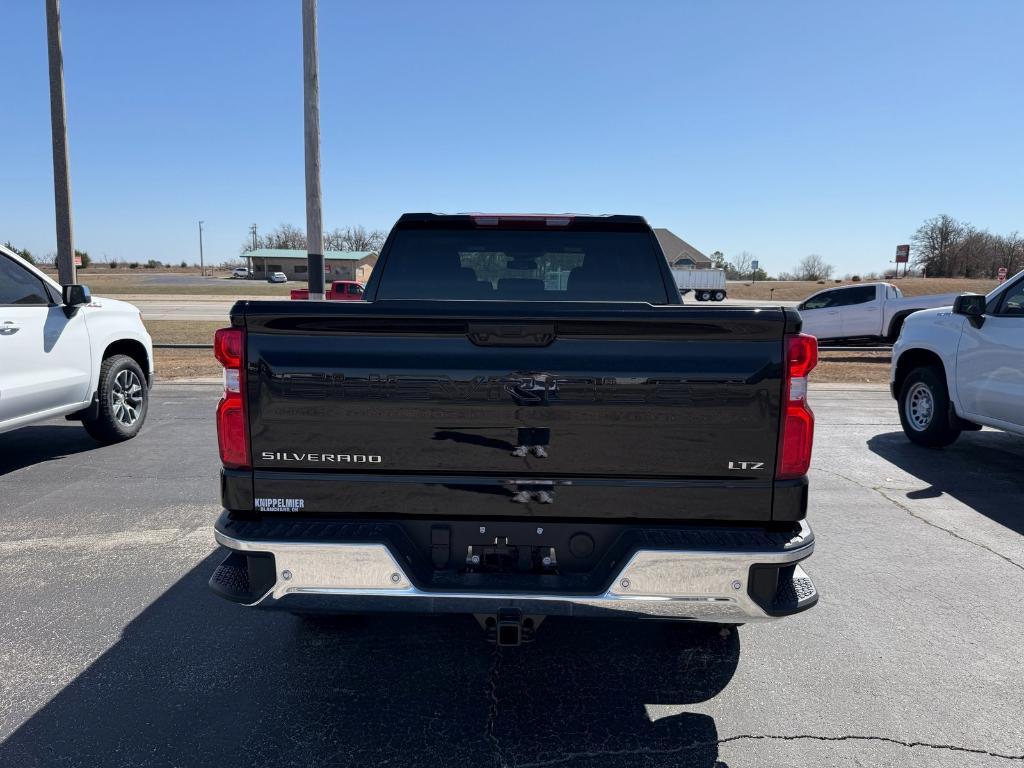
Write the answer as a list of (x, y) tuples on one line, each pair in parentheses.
[(241, 273), (277, 277), (870, 311), (961, 368), (339, 290), (65, 353), (706, 284)]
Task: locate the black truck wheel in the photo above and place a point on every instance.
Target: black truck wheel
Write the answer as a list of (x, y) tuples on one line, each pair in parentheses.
[(123, 401), (925, 410)]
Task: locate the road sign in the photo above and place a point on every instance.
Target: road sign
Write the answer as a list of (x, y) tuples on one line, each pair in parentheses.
[(1001, 273), (755, 265), (78, 260), (902, 254)]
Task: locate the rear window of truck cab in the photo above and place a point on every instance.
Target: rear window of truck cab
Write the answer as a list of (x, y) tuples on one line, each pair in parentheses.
[(523, 265)]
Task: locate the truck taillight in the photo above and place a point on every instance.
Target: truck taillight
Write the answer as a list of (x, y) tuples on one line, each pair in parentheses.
[(796, 432), (232, 429)]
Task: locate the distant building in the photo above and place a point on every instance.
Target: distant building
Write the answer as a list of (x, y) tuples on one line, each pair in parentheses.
[(338, 265), (680, 254)]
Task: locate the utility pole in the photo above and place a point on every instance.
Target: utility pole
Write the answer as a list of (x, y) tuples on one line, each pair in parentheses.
[(59, 126), (202, 266), (311, 125), (248, 261)]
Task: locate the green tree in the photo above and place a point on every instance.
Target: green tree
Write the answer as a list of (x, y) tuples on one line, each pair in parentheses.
[(25, 253)]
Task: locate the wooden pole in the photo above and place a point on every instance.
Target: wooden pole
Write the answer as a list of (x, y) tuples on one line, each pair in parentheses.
[(311, 124), (202, 266), (66, 271)]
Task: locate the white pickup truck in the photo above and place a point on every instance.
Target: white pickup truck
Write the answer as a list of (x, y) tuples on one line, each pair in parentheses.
[(961, 368), (872, 311), (64, 353)]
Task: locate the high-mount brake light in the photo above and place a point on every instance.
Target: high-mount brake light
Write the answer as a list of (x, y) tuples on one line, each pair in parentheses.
[(232, 427), (494, 220), (796, 432)]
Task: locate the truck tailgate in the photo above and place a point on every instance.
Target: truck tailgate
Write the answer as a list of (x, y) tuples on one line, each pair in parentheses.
[(418, 408)]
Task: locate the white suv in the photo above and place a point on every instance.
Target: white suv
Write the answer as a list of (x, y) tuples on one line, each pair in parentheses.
[(65, 353), (962, 367)]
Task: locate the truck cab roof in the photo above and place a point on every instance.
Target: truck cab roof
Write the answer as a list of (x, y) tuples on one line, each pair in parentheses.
[(511, 219)]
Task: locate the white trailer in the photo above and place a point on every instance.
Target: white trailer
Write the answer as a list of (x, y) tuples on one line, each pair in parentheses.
[(706, 284)]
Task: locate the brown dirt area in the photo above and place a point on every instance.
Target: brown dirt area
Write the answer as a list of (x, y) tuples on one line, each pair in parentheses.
[(184, 363), (850, 367)]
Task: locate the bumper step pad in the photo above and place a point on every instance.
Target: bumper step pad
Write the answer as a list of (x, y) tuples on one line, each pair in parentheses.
[(795, 594), (232, 579)]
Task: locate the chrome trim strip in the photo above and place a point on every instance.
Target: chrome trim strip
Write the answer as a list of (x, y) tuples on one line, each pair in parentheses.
[(710, 586)]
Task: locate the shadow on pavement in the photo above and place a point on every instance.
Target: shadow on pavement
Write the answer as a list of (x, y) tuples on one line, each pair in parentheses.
[(984, 470), (194, 681), (26, 446)]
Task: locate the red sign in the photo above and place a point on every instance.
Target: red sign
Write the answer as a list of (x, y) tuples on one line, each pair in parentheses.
[(1001, 273), (78, 260), (902, 254)]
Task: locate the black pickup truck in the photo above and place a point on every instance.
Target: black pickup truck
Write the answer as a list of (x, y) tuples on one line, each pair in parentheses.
[(520, 420)]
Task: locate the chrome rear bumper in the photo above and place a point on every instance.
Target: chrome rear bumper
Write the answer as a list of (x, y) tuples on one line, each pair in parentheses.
[(669, 584)]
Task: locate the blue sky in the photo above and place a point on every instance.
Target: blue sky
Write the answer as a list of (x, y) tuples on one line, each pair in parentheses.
[(778, 128)]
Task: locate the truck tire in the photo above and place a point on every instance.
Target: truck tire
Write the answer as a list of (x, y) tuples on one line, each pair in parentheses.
[(925, 411), (705, 295), (123, 401), (719, 296)]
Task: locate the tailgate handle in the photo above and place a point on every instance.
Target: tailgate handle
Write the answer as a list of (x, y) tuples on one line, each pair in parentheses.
[(511, 334)]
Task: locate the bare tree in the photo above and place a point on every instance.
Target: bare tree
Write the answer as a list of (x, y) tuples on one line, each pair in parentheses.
[(935, 244), (813, 267), (285, 236), (742, 265), (973, 256), (356, 238), (945, 247), (1007, 251)]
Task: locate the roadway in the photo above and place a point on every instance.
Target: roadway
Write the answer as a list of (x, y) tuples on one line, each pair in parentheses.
[(115, 653)]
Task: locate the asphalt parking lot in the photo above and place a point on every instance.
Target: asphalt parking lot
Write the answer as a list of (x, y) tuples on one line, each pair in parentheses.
[(114, 653)]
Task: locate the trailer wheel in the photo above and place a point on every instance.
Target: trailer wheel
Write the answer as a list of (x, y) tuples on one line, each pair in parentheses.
[(719, 295), (705, 295)]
